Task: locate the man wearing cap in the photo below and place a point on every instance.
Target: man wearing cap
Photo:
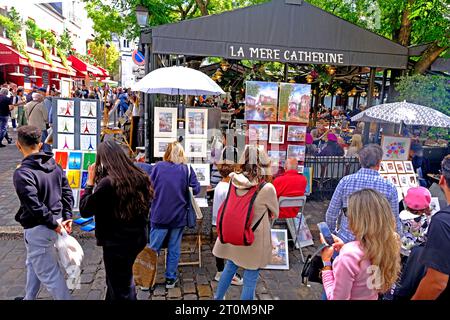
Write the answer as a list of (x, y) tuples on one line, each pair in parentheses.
[(436, 254), (332, 148)]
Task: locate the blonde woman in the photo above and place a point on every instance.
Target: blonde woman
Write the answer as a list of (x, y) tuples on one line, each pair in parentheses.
[(355, 146), (370, 265), (254, 170), (171, 179)]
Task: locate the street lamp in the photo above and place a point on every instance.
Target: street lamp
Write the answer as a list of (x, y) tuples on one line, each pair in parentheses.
[(142, 16)]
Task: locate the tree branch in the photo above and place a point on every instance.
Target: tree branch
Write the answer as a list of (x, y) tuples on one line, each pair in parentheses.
[(428, 57)]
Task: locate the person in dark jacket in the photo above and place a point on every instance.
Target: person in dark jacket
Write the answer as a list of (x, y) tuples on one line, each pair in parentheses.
[(45, 197), (332, 147), (120, 204), (171, 179)]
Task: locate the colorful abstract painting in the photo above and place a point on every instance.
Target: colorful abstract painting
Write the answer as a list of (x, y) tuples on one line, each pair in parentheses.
[(395, 148), (61, 158), (75, 160)]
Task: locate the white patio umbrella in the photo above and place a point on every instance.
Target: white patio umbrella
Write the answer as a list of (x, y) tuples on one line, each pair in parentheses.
[(404, 113), (178, 81)]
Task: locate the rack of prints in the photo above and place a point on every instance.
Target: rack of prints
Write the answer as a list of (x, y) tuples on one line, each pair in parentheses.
[(75, 165), (401, 174)]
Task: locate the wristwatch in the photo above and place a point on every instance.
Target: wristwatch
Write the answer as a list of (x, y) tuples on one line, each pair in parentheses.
[(327, 265)]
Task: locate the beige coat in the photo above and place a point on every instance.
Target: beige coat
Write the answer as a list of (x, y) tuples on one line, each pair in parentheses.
[(259, 254), (36, 115)]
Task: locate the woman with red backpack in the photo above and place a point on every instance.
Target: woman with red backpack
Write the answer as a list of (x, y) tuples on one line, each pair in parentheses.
[(243, 222)]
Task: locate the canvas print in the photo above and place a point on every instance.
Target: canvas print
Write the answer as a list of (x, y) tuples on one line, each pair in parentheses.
[(296, 134), (196, 148), (88, 126), (400, 167), (393, 178), (261, 101), (412, 180), (65, 108), (280, 254), (303, 234), (88, 142), (295, 102), (395, 148), (88, 159), (73, 176), (308, 173), (276, 135), (66, 125), (403, 180), (84, 178), (408, 167), (66, 142), (197, 123), (160, 146), (258, 132), (277, 156), (202, 172), (390, 167), (383, 168), (88, 109), (166, 122), (297, 152), (75, 160), (62, 158)]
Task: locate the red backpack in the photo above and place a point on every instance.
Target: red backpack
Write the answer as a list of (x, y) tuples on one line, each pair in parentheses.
[(235, 217)]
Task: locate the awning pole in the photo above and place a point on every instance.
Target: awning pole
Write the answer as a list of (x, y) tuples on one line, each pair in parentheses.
[(369, 103)]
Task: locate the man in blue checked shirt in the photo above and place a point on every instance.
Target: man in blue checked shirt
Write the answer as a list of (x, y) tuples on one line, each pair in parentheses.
[(366, 178)]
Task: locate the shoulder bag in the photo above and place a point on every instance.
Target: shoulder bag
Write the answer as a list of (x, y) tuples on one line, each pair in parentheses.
[(312, 269)]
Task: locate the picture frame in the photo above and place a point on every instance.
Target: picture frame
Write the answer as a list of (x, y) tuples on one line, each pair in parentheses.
[(88, 109), (160, 146), (412, 180), (165, 125), (280, 252), (296, 134), (296, 151), (202, 171), (399, 167), (276, 134), (276, 155), (258, 132), (395, 148), (294, 102), (196, 123), (403, 180), (393, 178), (390, 167), (196, 148), (261, 101), (409, 168), (383, 168), (385, 177), (66, 125)]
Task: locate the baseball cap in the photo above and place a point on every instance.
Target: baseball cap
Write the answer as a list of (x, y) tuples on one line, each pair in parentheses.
[(418, 198), (332, 137), (42, 89)]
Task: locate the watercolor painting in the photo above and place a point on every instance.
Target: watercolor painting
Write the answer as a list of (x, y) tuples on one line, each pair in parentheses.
[(261, 101), (295, 102), (88, 142), (395, 148), (88, 126), (65, 108), (66, 141), (258, 132), (66, 125), (88, 109), (296, 134), (280, 254)]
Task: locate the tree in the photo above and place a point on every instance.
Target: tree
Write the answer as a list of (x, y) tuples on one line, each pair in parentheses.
[(98, 50)]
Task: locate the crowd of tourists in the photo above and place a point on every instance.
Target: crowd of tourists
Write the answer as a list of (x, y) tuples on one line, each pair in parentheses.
[(371, 238)]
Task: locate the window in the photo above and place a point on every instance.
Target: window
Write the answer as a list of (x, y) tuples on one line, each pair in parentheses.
[(126, 43), (57, 6)]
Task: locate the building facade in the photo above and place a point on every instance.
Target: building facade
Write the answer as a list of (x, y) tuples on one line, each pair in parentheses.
[(126, 64)]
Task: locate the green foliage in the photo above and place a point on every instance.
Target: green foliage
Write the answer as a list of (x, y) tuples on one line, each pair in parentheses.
[(13, 28), (429, 91), (97, 51), (43, 40)]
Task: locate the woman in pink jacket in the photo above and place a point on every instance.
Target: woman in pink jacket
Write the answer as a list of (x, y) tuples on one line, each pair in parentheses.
[(370, 265)]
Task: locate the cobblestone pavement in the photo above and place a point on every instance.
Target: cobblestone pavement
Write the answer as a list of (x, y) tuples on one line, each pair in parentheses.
[(195, 283)]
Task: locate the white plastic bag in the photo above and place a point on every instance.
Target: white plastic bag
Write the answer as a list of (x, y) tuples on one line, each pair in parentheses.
[(69, 250)]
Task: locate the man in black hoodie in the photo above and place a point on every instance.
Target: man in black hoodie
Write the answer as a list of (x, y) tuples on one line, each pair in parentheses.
[(45, 196)]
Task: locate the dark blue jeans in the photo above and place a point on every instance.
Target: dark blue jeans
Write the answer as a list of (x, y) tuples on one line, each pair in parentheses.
[(3, 127)]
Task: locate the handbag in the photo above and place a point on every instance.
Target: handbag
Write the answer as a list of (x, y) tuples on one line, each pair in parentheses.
[(193, 210), (312, 269)]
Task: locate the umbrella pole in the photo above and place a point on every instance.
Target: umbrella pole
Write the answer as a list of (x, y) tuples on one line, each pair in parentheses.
[(401, 127)]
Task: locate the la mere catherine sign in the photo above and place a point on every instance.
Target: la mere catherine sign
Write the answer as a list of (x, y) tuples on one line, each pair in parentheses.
[(285, 55)]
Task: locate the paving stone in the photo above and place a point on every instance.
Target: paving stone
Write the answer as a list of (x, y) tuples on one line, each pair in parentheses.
[(174, 293), (159, 291), (190, 297), (265, 296), (205, 298), (189, 287), (87, 278), (143, 295), (15, 291), (202, 280), (95, 295), (158, 298), (204, 290)]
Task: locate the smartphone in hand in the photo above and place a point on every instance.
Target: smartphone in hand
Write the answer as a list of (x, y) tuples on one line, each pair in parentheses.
[(326, 233)]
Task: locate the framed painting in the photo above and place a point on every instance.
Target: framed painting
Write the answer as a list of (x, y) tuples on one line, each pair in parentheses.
[(296, 134), (294, 102), (280, 253), (395, 148), (258, 132), (202, 172), (261, 101), (160, 146), (296, 151), (196, 123), (390, 167), (166, 122), (276, 135), (408, 167), (88, 109), (196, 148)]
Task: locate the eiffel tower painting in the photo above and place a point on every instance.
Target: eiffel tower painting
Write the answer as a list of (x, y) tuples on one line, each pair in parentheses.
[(66, 146), (90, 114), (65, 127), (90, 144), (68, 110), (72, 182), (86, 129)]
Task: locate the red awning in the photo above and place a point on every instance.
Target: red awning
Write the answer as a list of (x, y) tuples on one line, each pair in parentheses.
[(10, 56), (104, 71), (84, 68)]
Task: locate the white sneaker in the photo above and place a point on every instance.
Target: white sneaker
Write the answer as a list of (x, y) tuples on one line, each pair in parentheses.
[(217, 277), (237, 280)]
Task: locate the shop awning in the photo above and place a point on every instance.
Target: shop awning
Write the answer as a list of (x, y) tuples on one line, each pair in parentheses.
[(10, 56), (104, 72), (292, 31), (84, 68)]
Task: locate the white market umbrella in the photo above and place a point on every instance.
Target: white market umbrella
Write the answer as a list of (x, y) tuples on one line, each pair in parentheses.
[(178, 81), (404, 112)]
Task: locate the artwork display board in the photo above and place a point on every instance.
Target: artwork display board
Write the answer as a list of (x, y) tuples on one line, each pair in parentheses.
[(400, 174)]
